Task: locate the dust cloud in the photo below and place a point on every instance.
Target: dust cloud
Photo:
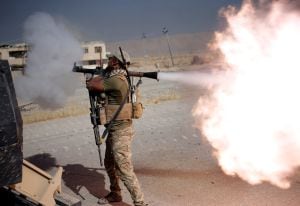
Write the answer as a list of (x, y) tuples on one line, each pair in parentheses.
[(48, 79)]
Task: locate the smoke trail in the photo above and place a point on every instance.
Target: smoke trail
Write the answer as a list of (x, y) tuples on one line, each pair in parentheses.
[(253, 122), (205, 79), (48, 79)]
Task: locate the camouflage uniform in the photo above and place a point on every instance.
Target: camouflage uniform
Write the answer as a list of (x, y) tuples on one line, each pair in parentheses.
[(118, 154)]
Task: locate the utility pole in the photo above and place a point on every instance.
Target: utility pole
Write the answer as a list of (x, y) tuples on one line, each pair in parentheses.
[(165, 32), (100, 59), (143, 42)]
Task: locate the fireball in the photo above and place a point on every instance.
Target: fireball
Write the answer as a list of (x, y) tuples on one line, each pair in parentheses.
[(253, 120)]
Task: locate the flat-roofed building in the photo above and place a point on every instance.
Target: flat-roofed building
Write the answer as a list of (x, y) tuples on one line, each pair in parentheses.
[(94, 54), (16, 54)]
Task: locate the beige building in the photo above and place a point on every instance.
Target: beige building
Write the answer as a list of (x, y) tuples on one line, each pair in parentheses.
[(16, 54), (94, 54)]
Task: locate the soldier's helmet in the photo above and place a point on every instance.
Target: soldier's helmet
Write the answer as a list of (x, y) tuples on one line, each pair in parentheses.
[(119, 57)]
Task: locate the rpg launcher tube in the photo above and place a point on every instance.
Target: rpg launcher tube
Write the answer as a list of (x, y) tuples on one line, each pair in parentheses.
[(96, 71), (151, 75), (100, 71)]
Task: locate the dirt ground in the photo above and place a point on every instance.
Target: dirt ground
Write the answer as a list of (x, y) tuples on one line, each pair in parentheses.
[(174, 164)]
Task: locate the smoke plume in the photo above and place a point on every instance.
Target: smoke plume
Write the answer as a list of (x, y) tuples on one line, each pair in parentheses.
[(48, 79), (206, 79), (252, 121)]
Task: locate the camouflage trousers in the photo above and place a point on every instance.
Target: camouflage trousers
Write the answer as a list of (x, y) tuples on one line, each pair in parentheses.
[(118, 163)]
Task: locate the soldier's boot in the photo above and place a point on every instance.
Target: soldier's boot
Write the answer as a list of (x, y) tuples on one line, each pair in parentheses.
[(111, 197), (140, 204)]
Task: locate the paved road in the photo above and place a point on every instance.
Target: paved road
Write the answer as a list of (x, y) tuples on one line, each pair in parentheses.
[(173, 163)]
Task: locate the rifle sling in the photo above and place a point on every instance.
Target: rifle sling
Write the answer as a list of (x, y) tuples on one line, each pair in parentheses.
[(115, 115)]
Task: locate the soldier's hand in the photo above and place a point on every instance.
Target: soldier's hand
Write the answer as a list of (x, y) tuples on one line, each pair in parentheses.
[(95, 84)]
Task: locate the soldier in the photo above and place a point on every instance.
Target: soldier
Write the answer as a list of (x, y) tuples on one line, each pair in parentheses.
[(117, 159)]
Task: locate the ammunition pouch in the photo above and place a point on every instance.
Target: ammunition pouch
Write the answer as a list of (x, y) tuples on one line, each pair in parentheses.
[(129, 111), (124, 114), (137, 110)]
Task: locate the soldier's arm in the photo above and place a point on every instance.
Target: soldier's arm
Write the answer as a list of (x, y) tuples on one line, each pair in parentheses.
[(95, 84), (113, 83)]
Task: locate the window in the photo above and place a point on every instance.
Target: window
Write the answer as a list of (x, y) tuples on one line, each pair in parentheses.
[(91, 62), (17, 54), (86, 50), (98, 49)]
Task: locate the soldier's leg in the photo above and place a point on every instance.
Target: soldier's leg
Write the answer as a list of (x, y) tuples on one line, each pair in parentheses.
[(121, 147), (110, 166), (109, 163)]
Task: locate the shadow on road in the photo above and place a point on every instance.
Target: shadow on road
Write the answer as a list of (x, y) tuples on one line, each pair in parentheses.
[(43, 161), (76, 176)]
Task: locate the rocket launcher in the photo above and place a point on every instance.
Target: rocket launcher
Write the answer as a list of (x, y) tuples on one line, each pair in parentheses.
[(100, 71)]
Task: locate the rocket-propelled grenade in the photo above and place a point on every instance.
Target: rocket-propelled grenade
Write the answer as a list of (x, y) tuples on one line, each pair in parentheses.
[(151, 75), (100, 71)]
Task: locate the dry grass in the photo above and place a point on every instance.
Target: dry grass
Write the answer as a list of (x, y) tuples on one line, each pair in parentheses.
[(43, 115), (162, 98), (38, 115)]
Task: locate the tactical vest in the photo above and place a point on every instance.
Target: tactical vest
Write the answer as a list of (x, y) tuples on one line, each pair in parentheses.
[(132, 109)]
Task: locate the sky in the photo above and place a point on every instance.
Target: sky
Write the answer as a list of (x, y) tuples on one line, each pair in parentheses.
[(115, 20)]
